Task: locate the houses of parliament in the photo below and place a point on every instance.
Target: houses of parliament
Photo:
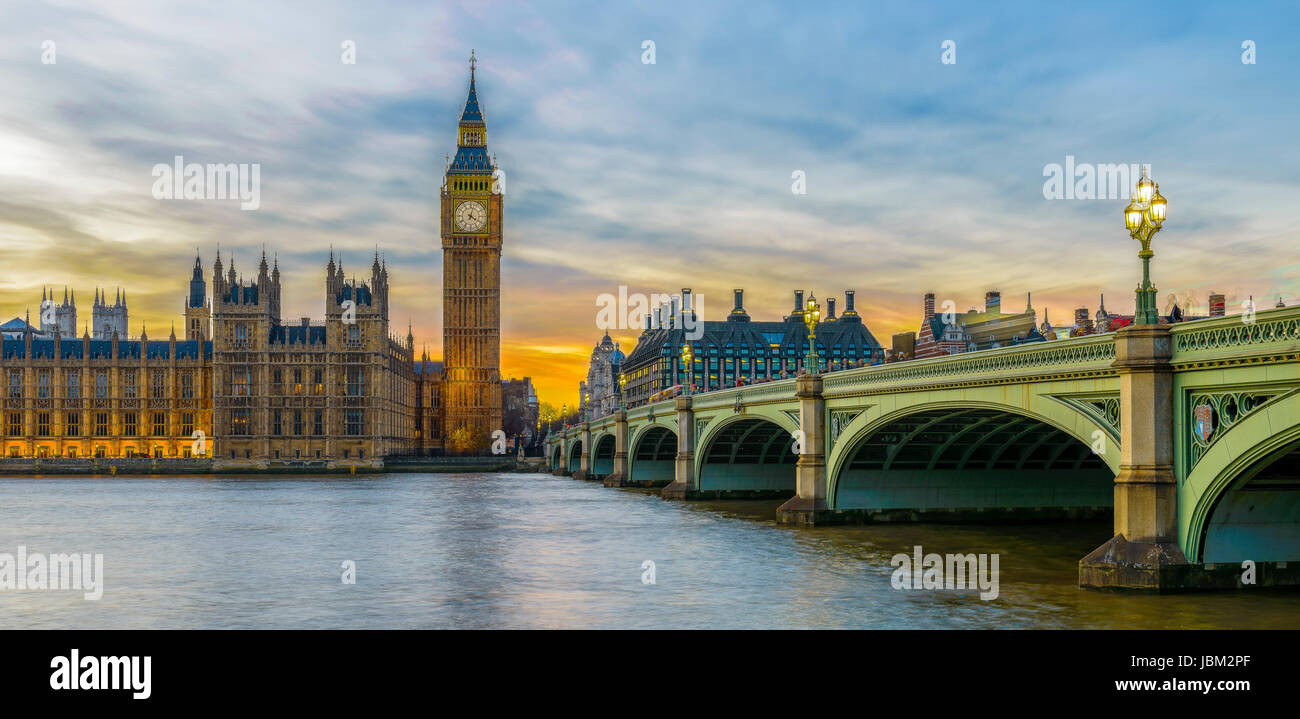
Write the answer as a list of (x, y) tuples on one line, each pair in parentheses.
[(249, 388)]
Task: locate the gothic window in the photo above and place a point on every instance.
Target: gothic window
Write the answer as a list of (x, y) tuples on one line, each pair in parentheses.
[(187, 424), (356, 382), (157, 384), (74, 384), (72, 424), (101, 384), (318, 427), (128, 383), (297, 422), (15, 384), (159, 424), (355, 422), (101, 424), (43, 384), (43, 424), (128, 424), (239, 422), (187, 386), (240, 382)]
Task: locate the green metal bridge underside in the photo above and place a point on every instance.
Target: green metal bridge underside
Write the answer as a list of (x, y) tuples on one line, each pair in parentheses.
[(1256, 518), (749, 455), (651, 458), (972, 459)]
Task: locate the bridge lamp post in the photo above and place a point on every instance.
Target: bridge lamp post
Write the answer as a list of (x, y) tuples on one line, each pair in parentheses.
[(1144, 217), (622, 390), (687, 357), (812, 313)]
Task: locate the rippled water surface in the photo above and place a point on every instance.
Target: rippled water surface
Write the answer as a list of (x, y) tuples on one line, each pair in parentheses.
[(532, 550)]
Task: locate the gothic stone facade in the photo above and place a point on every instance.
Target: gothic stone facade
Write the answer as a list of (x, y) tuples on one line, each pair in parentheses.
[(338, 393), (104, 398)]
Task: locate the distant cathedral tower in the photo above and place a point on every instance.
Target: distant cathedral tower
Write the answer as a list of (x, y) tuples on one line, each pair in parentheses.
[(471, 282), (107, 320), (60, 319)]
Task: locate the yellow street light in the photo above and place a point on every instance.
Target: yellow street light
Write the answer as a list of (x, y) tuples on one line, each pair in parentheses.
[(1133, 215), (1143, 218), (812, 313), (1159, 206)]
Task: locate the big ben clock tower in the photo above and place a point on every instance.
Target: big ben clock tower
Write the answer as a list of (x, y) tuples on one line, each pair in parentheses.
[(471, 285)]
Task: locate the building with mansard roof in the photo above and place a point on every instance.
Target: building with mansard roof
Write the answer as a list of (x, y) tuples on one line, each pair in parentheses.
[(739, 351)]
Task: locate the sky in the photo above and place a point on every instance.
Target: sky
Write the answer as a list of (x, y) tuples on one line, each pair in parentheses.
[(919, 175)]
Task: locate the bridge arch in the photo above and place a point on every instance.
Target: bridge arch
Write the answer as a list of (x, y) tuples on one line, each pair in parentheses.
[(557, 456), (575, 456), (652, 457), (602, 456), (1242, 499), (747, 452), (959, 456)]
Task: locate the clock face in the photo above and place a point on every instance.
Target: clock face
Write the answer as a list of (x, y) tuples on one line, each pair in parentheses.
[(470, 216)]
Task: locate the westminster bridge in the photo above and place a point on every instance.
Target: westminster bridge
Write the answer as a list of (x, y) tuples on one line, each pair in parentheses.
[(1188, 433)]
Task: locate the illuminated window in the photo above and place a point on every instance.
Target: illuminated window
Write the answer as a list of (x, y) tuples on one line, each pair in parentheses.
[(239, 422)]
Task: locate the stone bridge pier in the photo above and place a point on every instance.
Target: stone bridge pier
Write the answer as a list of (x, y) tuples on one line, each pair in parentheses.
[(1144, 553), (808, 506), (619, 476), (685, 484)]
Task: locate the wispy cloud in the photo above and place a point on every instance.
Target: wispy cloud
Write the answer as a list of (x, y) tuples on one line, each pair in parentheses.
[(921, 176)]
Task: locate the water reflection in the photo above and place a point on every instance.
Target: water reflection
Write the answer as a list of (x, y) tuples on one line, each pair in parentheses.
[(475, 551)]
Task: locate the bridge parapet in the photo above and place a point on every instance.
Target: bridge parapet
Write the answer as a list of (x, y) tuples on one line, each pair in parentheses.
[(1090, 355), (778, 390), (1222, 340)]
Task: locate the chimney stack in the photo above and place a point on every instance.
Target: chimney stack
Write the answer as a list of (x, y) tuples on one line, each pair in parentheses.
[(993, 302), (929, 305), (1217, 305), (830, 309)]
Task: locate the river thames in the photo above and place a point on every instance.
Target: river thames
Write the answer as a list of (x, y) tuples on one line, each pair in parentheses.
[(536, 551)]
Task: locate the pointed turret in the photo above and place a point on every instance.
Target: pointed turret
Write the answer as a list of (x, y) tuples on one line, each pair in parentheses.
[(471, 153), (472, 115)]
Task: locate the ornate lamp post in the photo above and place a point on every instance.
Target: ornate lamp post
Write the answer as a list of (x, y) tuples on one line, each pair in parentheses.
[(689, 365), (812, 313), (564, 414), (586, 404), (1144, 217), (622, 390)]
